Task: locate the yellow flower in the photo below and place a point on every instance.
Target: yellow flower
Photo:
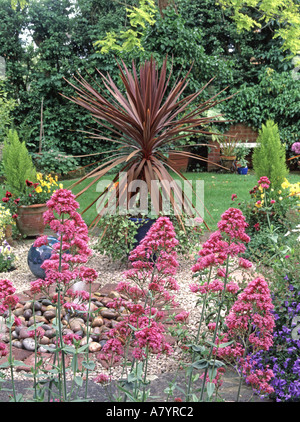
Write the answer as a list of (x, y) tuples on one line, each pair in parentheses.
[(285, 184), (60, 186), (38, 189)]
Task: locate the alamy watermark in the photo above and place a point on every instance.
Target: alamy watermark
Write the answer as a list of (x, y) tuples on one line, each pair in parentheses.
[(2, 67), (296, 70), (137, 197)]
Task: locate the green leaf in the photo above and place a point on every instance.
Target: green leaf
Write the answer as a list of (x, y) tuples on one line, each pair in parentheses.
[(210, 388), (200, 364), (78, 380), (90, 365)]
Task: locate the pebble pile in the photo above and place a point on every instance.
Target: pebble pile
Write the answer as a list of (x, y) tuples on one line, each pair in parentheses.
[(43, 311)]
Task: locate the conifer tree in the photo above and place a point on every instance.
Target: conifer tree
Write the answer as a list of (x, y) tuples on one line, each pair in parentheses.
[(269, 157), (17, 163)]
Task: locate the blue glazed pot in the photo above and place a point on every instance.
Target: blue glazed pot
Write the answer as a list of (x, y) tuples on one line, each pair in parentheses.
[(143, 227), (37, 255), (242, 170)]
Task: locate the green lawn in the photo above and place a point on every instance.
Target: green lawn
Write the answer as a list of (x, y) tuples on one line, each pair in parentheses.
[(218, 189)]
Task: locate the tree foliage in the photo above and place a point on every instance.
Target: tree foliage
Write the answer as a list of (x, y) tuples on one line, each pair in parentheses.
[(269, 156), (17, 163), (286, 13), (63, 38)]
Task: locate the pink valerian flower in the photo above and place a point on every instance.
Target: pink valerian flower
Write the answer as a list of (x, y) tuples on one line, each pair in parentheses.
[(37, 286), (226, 242), (230, 353), (40, 241), (160, 241), (6, 288), (62, 202), (17, 321), (259, 379), (233, 223), (221, 272), (102, 379), (38, 332), (3, 350), (218, 378), (253, 309), (88, 274), (65, 268), (112, 351), (233, 196), (182, 316), (69, 338), (264, 182), (214, 286), (10, 301), (78, 294), (245, 263), (134, 292), (147, 334), (160, 237), (152, 338), (75, 306)]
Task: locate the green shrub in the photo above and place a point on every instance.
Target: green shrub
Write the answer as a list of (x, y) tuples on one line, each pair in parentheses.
[(269, 156), (17, 163), (54, 161)]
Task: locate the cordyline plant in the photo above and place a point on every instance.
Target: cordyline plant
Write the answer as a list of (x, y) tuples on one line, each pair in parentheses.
[(144, 122)]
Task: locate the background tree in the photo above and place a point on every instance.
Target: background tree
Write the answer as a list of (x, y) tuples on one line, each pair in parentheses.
[(285, 13)]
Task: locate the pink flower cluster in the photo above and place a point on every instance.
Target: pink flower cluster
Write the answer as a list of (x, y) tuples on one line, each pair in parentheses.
[(228, 241), (7, 297), (154, 264), (148, 335), (264, 182), (3, 350), (64, 267), (252, 312), (214, 286), (249, 320), (259, 379), (233, 223), (218, 378)]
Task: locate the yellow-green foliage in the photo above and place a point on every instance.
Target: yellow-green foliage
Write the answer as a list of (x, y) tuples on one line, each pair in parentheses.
[(17, 163), (269, 157)]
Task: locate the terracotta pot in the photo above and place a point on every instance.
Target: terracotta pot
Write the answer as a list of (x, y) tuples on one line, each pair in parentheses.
[(178, 162), (30, 220), (227, 161)]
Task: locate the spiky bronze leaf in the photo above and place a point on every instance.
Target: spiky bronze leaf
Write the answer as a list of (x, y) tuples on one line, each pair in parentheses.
[(144, 122)]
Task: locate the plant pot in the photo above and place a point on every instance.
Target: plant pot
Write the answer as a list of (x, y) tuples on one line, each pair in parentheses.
[(178, 162), (242, 170), (30, 221), (144, 225), (228, 161)]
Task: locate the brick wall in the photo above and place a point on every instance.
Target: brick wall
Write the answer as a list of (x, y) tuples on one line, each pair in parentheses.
[(242, 132)]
